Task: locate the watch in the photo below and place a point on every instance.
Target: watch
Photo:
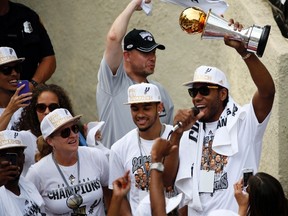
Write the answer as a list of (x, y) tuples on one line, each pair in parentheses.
[(34, 83), (158, 166)]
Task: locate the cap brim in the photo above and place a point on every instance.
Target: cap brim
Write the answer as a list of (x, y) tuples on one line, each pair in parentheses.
[(137, 102), (13, 61), (13, 146), (76, 119), (190, 84), (149, 49)]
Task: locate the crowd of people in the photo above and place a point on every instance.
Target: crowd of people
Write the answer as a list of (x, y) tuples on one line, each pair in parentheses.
[(140, 158)]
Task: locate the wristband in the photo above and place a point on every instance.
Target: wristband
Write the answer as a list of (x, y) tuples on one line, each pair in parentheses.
[(157, 166), (34, 83)]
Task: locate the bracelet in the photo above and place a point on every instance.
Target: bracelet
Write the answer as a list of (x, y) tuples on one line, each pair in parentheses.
[(157, 166), (246, 56), (34, 83)]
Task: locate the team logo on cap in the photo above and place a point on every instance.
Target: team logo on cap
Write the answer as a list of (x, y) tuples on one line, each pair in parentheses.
[(146, 90), (146, 36), (208, 70)]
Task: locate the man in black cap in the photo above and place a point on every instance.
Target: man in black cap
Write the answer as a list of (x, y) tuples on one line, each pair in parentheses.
[(121, 68)]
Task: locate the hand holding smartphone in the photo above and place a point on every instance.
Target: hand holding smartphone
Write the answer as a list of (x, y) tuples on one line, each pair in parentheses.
[(24, 90)]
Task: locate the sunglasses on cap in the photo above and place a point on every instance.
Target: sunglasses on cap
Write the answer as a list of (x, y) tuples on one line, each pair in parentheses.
[(7, 70), (203, 90), (65, 133), (40, 108)]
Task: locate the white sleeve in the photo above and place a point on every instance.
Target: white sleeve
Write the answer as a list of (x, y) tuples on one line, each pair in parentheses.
[(116, 168)]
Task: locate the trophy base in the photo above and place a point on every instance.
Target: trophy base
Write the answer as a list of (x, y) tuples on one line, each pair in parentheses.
[(263, 40)]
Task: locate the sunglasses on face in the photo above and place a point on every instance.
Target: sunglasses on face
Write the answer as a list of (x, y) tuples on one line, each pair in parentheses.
[(203, 90), (7, 70), (42, 107), (65, 133)]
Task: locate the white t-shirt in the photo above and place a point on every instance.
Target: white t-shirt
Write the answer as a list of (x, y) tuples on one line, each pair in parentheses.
[(14, 118), (30, 151), (250, 134), (125, 155), (28, 203), (93, 177)]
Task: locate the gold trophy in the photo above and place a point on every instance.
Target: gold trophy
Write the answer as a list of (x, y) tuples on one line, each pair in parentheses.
[(194, 20)]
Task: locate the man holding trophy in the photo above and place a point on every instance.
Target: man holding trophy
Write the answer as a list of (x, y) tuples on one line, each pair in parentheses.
[(214, 150)]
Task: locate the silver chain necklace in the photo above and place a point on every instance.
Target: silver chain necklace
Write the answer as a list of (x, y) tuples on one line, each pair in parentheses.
[(75, 200)]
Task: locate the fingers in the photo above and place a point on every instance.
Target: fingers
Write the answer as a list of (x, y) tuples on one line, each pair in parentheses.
[(187, 117), (161, 148), (237, 26)]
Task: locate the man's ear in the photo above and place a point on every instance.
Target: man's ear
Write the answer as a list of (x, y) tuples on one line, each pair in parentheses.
[(223, 94), (126, 56), (160, 107)]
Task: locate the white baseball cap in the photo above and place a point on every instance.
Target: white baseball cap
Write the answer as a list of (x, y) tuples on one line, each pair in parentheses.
[(8, 55), (11, 139), (143, 93), (56, 119), (208, 74)]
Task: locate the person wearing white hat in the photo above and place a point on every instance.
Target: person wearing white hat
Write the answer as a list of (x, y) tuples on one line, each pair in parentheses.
[(11, 103), (123, 66), (17, 195), (72, 180), (224, 129), (22, 29), (132, 151)]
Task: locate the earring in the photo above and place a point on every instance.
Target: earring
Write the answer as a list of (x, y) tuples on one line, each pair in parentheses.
[(159, 113)]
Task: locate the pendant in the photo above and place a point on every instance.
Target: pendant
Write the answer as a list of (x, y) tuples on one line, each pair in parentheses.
[(72, 179)]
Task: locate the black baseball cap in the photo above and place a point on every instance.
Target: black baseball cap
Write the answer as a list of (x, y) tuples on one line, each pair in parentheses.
[(141, 40)]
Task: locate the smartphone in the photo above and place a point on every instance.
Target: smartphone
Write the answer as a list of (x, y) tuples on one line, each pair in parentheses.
[(24, 90), (12, 157), (247, 173)]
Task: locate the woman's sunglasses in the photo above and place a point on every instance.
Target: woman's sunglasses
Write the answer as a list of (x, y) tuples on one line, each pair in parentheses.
[(65, 133), (203, 90), (7, 70), (42, 107)]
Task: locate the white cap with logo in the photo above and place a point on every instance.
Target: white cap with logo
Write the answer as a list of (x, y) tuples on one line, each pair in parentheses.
[(208, 74), (8, 55), (11, 139), (56, 119), (143, 93)]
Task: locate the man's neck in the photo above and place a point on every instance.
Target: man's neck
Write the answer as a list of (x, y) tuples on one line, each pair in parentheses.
[(152, 133), (13, 186), (136, 78)]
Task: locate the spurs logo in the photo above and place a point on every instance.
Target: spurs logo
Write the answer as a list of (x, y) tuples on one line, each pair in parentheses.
[(146, 90)]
